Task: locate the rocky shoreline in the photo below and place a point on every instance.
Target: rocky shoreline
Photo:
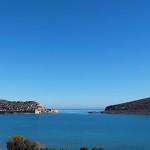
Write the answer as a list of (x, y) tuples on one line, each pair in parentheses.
[(12, 107)]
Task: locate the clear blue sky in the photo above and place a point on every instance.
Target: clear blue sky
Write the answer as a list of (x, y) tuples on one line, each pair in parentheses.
[(75, 53)]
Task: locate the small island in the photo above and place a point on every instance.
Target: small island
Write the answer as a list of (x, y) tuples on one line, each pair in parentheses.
[(12, 107), (141, 106)]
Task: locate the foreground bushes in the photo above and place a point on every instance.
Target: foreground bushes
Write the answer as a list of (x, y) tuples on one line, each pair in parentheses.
[(94, 148), (21, 143)]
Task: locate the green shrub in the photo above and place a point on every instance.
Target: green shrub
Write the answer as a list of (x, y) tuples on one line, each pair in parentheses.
[(21, 143), (84, 148)]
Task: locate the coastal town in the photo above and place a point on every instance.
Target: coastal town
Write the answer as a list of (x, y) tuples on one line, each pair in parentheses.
[(23, 107)]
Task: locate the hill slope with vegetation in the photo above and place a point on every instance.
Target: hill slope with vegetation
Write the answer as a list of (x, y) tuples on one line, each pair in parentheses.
[(141, 106)]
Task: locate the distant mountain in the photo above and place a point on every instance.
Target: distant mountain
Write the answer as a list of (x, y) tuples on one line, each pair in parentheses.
[(3, 101), (141, 106)]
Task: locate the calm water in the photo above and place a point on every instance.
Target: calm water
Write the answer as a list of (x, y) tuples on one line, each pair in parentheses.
[(77, 128)]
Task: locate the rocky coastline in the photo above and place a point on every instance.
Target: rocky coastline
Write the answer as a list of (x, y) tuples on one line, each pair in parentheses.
[(11, 107)]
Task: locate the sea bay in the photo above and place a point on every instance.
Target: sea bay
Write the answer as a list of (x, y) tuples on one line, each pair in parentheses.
[(72, 129)]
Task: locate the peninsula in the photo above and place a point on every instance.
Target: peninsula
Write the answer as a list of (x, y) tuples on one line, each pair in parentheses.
[(23, 107), (141, 106)]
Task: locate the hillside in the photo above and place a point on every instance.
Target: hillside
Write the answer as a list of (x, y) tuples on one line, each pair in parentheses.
[(20, 107), (141, 106)]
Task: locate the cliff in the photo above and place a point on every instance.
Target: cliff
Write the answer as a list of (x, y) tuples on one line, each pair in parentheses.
[(141, 106)]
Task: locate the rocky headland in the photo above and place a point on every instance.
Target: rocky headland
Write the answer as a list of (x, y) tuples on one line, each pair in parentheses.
[(141, 106), (23, 107)]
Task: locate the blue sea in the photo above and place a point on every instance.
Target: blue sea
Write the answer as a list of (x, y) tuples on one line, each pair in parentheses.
[(72, 129)]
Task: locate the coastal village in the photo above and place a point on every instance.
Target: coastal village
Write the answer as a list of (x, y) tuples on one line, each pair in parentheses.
[(23, 107)]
